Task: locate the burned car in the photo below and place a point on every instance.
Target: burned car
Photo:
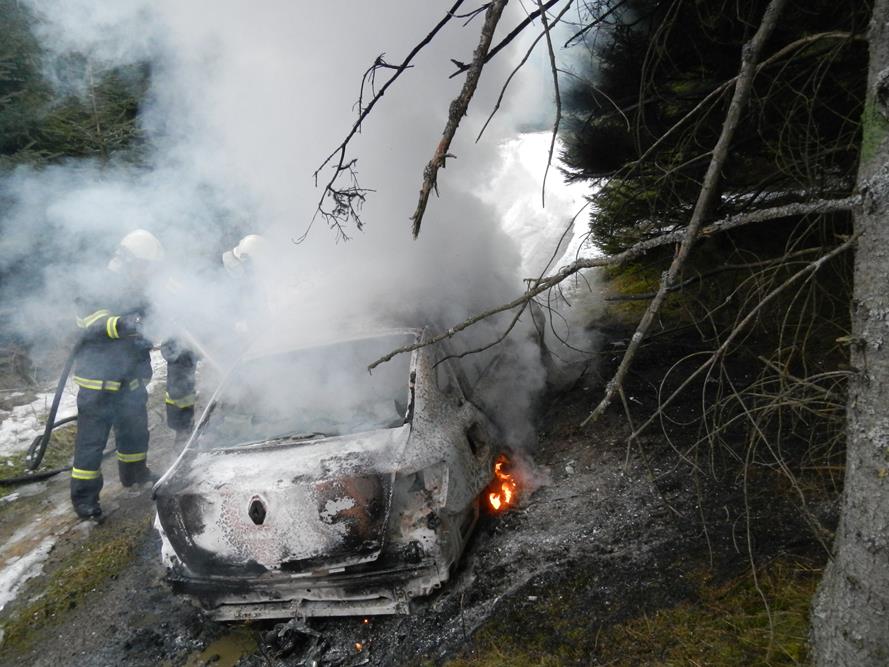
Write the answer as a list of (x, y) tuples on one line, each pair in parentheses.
[(311, 487)]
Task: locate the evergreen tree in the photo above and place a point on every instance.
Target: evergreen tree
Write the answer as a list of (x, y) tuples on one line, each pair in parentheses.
[(653, 94), (38, 125)]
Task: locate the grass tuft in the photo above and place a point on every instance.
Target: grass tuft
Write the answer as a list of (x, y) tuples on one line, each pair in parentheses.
[(727, 624)]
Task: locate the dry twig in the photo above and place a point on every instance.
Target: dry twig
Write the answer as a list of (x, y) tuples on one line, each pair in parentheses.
[(462, 67), (516, 69), (558, 120), (345, 199), (805, 272)]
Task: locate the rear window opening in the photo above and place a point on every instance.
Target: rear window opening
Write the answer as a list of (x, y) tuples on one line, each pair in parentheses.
[(311, 393)]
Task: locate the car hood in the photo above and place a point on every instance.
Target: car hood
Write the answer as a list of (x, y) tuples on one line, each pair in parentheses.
[(305, 507)]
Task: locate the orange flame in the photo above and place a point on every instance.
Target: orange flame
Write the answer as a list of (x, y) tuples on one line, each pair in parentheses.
[(502, 490)]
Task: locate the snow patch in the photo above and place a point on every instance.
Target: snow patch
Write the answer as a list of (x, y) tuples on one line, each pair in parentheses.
[(19, 570), (24, 491), (19, 426)]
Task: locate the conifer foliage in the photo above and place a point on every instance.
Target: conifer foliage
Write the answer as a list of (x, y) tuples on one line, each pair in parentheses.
[(649, 101), (41, 124)]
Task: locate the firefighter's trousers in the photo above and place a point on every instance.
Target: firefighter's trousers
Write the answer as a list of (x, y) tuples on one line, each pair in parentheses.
[(98, 411)]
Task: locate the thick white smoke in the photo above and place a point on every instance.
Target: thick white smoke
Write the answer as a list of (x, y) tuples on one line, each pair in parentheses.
[(245, 101)]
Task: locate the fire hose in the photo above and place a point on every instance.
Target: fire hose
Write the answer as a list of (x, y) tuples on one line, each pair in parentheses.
[(38, 447)]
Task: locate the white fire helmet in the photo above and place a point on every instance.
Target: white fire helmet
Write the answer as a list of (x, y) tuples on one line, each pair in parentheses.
[(249, 250), (137, 250)]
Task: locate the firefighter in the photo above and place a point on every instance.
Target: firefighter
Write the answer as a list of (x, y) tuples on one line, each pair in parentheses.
[(179, 397), (246, 264), (242, 260), (112, 369)]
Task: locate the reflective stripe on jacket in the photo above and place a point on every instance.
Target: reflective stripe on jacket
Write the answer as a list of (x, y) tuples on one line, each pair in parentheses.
[(106, 359), (108, 385)]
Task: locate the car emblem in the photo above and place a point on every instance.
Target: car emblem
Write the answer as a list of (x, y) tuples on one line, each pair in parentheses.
[(257, 510)]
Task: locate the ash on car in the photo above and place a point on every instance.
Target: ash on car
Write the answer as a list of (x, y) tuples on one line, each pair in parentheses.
[(311, 487)]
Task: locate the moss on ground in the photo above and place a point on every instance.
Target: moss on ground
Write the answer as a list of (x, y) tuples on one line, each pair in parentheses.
[(637, 279), (728, 624), (102, 557)]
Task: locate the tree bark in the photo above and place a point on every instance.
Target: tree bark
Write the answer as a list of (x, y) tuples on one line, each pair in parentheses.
[(850, 620)]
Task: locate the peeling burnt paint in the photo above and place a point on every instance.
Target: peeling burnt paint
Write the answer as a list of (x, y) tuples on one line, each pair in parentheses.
[(358, 523), (177, 530), (342, 464)]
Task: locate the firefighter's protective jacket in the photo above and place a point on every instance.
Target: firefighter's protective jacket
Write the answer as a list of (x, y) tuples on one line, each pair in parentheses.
[(110, 357)]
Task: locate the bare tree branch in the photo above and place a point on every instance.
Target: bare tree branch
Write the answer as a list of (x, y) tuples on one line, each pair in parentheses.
[(470, 15), (716, 92), (343, 197), (637, 250), (518, 67), (784, 259), (456, 111), (707, 197), (558, 120), (462, 67), (531, 281), (592, 24), (601, 92), (808, 270), (496, 341)]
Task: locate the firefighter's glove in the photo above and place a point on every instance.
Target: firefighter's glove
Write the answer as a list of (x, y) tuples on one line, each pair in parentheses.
[(129, 326)]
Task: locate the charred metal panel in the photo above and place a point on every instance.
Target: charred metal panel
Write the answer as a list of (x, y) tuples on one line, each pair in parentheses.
[(323, 504), (386, 591)]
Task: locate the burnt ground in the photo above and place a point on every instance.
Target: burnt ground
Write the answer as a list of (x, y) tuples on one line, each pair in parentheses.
[(608, 534)]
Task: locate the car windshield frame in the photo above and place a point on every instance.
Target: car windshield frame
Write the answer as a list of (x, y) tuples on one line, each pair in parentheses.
[(206, 437)]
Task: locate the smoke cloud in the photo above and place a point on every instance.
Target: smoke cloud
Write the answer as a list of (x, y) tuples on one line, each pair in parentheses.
[(245, 101)]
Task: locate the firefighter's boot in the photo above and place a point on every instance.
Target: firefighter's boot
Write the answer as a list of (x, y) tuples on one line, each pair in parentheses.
[(85, 497), (135, 473)]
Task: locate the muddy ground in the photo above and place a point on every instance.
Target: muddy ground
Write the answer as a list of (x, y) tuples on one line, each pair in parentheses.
[(609, 534)]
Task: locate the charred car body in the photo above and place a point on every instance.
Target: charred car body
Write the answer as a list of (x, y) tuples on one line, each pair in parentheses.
[(313, 488)]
